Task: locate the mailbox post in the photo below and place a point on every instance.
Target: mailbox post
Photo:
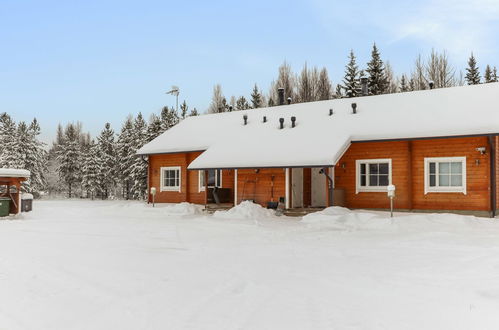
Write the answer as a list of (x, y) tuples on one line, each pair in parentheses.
[(153, 193), (391, 194)]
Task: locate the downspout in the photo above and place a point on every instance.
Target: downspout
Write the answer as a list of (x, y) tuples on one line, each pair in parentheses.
[(493, 188), (329, 184)]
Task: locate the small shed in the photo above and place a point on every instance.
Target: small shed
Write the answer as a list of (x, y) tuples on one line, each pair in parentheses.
[(10, 187)]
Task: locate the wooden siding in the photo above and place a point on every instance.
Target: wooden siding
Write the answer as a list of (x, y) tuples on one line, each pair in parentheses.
[(408, 174), (189, 191), (257, 186)]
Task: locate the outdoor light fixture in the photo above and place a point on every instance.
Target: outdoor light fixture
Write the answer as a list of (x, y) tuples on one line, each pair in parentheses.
[(481, 150)]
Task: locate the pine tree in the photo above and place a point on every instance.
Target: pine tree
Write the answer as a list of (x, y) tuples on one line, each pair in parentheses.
[(126, 156), (487, 76), (139, 167), (194, 112), (183, 110), (472, 71), (404, 87), (256, 98), (91, 170), (242, 103), (9, 156), (494, 75), (377, 80), (68, 155), (154, 128), (35, 159), (107, 157), (324, 87), (350, 81), (169, 118)]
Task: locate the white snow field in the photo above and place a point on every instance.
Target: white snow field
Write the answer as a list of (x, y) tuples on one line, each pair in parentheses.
[(125, 265)]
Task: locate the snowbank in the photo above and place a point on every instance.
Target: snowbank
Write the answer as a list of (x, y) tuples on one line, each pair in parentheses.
[(245, 211), (14, 173), (344, 219), (183, 209)]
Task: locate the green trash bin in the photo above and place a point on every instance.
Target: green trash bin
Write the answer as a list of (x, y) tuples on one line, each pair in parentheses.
[(4, 206)]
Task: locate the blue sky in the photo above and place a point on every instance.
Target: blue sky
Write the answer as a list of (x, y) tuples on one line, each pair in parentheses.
[(98, 61)]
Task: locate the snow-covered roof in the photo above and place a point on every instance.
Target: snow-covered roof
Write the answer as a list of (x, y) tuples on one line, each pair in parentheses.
[(13, 173), (319, 139)]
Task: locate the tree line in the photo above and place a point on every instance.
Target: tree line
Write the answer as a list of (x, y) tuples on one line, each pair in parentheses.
[(314, 84)]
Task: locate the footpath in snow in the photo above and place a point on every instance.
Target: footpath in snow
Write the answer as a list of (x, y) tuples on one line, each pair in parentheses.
[(126, 265)]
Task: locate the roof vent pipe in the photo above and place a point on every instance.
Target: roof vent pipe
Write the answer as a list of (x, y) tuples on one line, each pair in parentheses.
[(281, 122), (230, 108), (280, 92), (264, 119), (289, 100), (431, 83), (363, 86), (330, 112), (293, 121), (354, 107), (245, 117)]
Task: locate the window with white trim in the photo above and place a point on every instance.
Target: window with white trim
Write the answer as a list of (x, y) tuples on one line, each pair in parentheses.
[(202, 180), (445, 174), (171, 178), (373, 174), (215, 178)]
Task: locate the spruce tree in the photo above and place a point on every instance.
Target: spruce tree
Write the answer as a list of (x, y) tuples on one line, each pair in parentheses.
[(183, 110), (169, 118), (404, 87), (126, 156), (487, 76), (139, 167), (350, 81), (92, 170), (68, 155), (472, 71), (154, 128), (194, 112), (242, 103), (8, 138), (107, 157), (35, 159), (377, 80), (256, 98), (494, 75)]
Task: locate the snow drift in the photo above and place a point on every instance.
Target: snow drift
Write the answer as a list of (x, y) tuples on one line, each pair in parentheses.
[(246, 210)]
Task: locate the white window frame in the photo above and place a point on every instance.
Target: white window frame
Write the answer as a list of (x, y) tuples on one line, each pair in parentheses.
[(438, 189), (202, 187), (167, 188), (360, 188)]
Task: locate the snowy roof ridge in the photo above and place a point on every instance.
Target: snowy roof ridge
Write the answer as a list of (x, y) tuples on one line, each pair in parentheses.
[(318, 138)]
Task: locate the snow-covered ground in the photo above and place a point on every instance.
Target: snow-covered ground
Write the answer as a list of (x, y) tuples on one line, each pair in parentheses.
[(126, 265)]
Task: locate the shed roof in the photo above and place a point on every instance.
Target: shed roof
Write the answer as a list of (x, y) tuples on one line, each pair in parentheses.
[(319, 139), (14, 173)]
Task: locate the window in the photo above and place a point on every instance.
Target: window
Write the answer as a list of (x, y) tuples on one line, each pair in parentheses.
[(202, 181), (170, 179), (445, 174), (214, 178), (373, 174)]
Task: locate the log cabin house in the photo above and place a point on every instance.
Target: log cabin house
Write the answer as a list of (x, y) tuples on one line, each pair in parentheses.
[(438, 147)]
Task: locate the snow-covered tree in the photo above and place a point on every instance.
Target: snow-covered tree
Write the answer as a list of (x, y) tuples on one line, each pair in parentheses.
[(169, 118), (9, 156), (256, 98), (487, 76), (126, 156), (92, 170), (35, 159), (242, 103), (377, 81), (194, 112), (218, 101), (154, 129), (139, 167), (404, 86), (351, 79), (108, 160), (472, 71), (68, 156), (184, 108)]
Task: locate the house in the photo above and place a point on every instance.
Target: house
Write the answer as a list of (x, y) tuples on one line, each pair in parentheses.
[(438, 147)]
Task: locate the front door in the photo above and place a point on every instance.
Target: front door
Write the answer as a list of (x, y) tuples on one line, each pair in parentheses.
[(319, 188)]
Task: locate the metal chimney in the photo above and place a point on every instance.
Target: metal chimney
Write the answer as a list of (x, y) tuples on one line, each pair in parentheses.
[(354, 108), (245, 118), (431, 83), (293, 121), (280, 91), (264, 119), (289, 100), (330, 112)]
